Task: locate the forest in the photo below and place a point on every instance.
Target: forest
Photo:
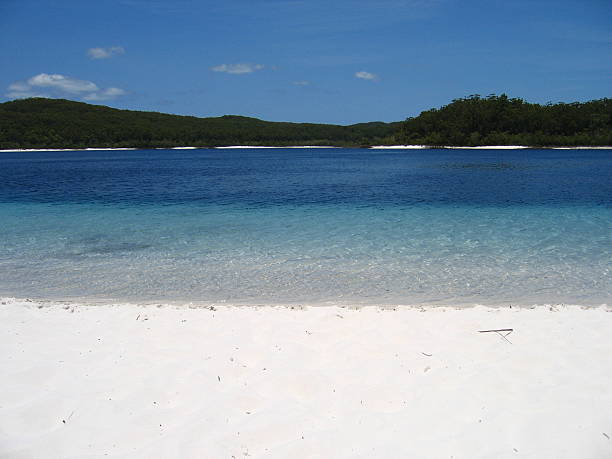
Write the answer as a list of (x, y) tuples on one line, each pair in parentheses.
[(499, 120), (58, 123), (470, 121)]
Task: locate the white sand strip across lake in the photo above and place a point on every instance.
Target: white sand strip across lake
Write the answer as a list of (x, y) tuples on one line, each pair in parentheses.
[(324, 382), (417, 147), (274, 147), (63, 149)]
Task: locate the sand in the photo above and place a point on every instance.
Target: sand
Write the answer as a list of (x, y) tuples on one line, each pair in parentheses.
[(273, 147), (321, 382), (399, 147), (18, 150), (377, 147), (482, 147), (416, 147)]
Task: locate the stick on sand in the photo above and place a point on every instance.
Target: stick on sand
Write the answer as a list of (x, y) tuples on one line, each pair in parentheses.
[(499, 331)]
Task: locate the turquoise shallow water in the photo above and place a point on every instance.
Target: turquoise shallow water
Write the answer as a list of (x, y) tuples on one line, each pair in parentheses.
[(308, 226)]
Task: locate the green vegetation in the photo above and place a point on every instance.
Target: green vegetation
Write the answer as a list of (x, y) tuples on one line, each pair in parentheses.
[(498, 120), (57, 123), (472, 121)]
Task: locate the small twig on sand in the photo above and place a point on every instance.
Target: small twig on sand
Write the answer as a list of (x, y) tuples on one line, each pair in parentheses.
[(499, 331), (425, 353), (68, 418)]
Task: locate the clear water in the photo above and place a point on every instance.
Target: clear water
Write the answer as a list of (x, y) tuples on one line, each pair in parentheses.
[(309, 226)]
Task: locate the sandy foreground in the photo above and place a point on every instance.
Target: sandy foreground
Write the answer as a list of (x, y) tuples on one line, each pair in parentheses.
[(320, 382)]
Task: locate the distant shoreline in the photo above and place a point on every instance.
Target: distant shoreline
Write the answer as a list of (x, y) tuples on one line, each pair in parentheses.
[(483, 147), (374, 147), (494, 122)]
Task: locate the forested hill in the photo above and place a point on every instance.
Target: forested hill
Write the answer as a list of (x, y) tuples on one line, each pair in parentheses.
[(499, 120), (472, 121), (58, 123)]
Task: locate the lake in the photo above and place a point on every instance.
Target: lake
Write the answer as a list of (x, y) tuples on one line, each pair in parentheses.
[(308, 226)]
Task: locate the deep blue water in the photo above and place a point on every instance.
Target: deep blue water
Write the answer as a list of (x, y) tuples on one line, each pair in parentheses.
[(308, 225)]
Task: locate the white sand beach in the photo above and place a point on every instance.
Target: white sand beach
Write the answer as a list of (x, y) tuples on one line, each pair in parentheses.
[(17, 150), (398, 147), (491, 147), (231, 147), (418, 147), (482, 147), (319, 382), (376, 147)]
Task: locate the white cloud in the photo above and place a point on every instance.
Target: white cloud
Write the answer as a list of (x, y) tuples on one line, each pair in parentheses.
[(105, 53), (366, 75), (19, 86), (106, 94), (24, 94), (62, 83), (301, 83), (237, 69), (55, 85), (21, 90)]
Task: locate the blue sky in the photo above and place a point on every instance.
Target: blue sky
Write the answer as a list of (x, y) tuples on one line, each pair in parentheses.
[(333, 61)]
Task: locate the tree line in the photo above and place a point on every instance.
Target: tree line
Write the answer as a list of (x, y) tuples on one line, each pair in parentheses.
[(470, 121), (58, 123), (499, 120)]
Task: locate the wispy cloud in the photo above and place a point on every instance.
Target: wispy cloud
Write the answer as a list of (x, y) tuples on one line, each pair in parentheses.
[(317, 17), (55, 85), (105, 53), (162, 6), (366, 75), (237, 69), (301, 83), (22, 90), (105, 94)]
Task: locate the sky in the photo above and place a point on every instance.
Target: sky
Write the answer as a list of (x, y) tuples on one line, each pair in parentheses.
[(320, 61)]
